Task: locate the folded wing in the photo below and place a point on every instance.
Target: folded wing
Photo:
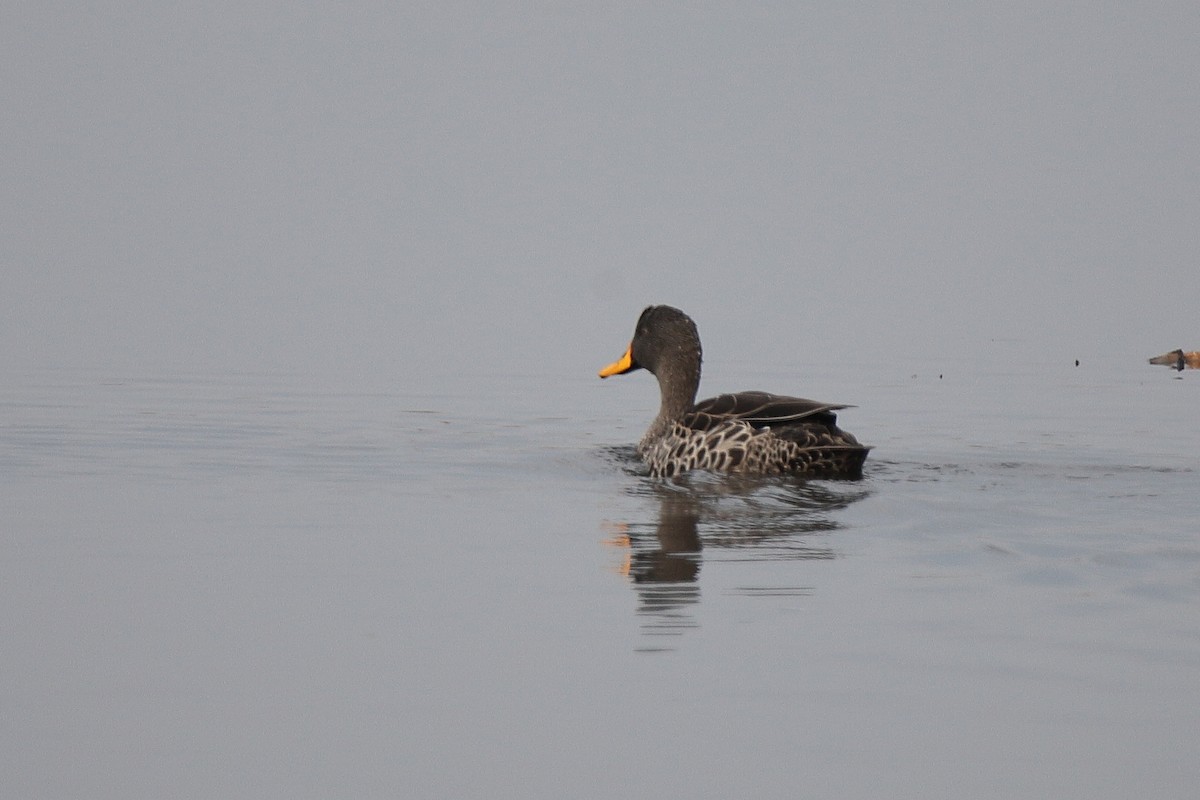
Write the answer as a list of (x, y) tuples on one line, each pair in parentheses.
[(763, 409)]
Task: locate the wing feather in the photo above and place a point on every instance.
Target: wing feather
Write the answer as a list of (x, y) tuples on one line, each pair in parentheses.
[(764, 408)]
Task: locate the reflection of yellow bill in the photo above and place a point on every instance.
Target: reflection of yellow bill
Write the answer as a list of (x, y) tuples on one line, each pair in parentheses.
[(619, 538)]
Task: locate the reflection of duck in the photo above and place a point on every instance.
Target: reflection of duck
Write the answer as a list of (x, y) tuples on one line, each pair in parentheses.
[(664, 568), (742, 519), (1178, 359), (750, 432), (677, 557)]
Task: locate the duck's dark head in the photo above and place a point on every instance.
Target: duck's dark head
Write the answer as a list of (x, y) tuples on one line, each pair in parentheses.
[(665, 339)]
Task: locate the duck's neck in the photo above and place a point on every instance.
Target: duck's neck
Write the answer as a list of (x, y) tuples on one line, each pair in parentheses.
[(678, 385)]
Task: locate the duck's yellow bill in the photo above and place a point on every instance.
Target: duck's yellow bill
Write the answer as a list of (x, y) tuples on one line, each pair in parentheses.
[(623, 364)]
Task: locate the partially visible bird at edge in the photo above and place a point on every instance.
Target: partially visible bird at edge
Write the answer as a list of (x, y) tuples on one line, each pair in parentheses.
[(1178, 359)]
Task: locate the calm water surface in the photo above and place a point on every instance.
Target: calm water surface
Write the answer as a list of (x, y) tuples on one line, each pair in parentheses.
[(269, 586)]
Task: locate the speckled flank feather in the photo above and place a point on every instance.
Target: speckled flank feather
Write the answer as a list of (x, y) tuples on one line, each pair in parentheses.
[(700, 441), (745, 432)]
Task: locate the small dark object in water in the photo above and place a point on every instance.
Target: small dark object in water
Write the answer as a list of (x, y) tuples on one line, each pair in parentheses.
[(1077, 362)]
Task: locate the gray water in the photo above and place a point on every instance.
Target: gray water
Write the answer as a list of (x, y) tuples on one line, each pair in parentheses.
[(259, 585), (322, 496)]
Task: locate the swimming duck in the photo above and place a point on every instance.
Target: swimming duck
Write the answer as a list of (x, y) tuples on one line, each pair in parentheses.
[(747, 432), (1177, 359)]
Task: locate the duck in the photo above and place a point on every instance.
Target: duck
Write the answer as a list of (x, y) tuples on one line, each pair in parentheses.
[(1179, 360), (744, 432)]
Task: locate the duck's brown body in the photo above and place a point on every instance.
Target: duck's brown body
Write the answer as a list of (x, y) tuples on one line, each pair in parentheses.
[(746, 432)]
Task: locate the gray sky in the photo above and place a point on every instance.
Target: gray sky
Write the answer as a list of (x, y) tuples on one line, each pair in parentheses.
[(447, 187)]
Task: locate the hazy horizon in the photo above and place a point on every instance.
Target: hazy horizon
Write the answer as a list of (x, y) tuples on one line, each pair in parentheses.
[(468, 187)]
